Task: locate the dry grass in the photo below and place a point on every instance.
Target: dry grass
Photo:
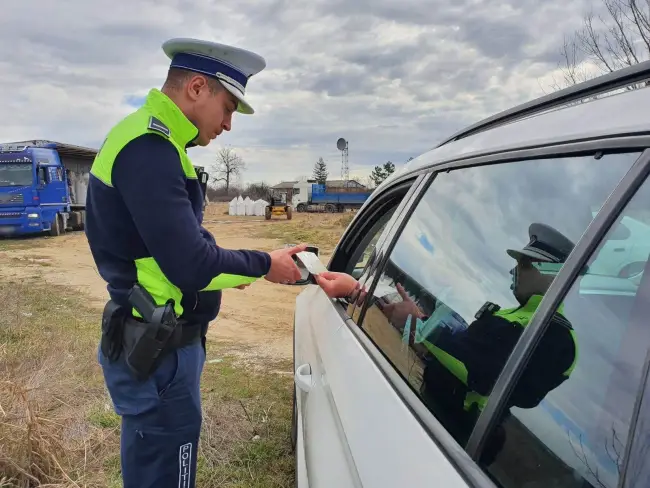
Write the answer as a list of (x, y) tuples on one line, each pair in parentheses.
[(12, 243), (322, 230), (58, 429), (48, 385)]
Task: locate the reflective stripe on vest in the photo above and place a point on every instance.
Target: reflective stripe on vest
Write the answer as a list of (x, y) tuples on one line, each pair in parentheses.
[(161, 116), (520, 316)]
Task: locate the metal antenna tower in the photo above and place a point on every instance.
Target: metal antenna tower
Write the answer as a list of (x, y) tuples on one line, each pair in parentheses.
[(342, 145)]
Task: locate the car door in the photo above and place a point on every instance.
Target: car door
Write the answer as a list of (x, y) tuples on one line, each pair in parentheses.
[(318, 322), (449, 254)]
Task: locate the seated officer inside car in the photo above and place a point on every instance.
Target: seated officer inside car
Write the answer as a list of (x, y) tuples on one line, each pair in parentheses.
[(164, 270), (461, 368)]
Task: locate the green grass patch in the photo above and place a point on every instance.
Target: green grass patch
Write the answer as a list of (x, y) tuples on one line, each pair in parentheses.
[(247, 426), (104, 417)]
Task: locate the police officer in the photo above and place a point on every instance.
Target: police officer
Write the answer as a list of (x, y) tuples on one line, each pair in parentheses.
[(164, 270)]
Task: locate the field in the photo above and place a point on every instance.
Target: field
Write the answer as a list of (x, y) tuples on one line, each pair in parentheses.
[(57, 427)]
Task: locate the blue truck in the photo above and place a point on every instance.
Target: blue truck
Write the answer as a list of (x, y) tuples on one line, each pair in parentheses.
[(307, 196), (43, 187)]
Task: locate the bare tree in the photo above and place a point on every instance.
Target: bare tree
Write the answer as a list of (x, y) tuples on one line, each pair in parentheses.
[(228, 165), (258, 190), (618, 38)]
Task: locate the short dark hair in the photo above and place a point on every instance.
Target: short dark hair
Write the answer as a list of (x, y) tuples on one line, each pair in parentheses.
[(176, 79)]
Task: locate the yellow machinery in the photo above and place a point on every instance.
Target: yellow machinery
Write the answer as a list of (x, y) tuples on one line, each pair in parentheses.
[(278, 206)]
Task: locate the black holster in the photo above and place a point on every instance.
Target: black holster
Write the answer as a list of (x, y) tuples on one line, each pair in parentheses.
[(146, 345), (145, 341)]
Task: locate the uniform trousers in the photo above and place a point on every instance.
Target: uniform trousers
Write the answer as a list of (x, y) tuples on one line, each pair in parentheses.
[(161, 418)]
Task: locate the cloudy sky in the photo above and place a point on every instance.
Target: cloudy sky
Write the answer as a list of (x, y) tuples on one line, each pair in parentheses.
[(391, 77)]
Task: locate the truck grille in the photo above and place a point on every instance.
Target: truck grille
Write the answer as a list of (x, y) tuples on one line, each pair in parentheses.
[(9, 215), (12, 198)]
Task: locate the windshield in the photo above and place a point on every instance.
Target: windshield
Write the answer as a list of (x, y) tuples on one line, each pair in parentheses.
[(16, 174)]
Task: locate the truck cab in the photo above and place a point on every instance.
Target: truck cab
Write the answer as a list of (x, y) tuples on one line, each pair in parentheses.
[(43, 187), (301, 195)]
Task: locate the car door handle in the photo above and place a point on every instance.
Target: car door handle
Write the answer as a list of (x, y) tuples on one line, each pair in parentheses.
[(619, 249), (303, 377)]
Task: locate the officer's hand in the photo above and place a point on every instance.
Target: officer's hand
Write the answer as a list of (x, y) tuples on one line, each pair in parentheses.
[(283, 268)]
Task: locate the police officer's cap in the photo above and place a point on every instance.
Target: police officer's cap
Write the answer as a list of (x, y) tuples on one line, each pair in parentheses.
[(546, 244), (232, 66)]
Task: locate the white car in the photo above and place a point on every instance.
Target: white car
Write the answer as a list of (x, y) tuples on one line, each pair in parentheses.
[(551, 393)]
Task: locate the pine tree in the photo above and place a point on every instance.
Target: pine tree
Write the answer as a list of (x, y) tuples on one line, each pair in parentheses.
[(320, 171), (380, 173)]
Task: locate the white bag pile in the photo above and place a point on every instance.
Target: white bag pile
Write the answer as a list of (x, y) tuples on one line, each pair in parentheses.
[(247, 206), (260, 207)]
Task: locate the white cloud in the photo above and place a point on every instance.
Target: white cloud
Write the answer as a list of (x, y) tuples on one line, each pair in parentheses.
[(393, 78)]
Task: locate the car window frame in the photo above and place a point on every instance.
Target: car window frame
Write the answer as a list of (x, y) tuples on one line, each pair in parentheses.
[(355, 234), (360, 225), (465, 458)]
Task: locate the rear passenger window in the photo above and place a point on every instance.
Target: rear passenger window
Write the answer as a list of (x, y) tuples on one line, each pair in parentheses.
[(469, 270), (576, 435)]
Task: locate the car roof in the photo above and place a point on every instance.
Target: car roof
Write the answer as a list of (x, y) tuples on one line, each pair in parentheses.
[(561, 117)]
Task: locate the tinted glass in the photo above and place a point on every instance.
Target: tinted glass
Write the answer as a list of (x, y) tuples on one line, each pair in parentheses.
[(575, 437), (452, 258), (637, 470)]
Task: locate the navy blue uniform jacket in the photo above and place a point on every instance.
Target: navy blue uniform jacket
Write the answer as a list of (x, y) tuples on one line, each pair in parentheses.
[(152, 209)]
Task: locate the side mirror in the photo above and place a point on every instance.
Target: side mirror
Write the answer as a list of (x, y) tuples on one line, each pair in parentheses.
[(306, 278)]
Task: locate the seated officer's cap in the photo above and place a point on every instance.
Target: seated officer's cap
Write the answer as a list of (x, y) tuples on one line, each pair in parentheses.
[(546, 245), (232, 66)]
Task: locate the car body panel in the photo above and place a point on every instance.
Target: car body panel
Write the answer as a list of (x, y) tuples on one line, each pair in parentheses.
[(320, 435), (401, 452)]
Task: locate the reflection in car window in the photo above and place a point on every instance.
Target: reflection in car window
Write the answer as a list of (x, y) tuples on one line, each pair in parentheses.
[(467, 273), (366, 250), (576, 436)]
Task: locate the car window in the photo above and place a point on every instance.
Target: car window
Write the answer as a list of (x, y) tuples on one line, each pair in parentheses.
[(575, 437), (444, 311), (368, 243), (357, 250), (361, 258)]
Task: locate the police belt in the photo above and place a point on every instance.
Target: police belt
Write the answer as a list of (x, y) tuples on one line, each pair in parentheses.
[(145, 341)]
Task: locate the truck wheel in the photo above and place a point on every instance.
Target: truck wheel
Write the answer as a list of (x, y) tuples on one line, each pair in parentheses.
[(267, 213), (301, 207), (57, 226), (289, 213), (330, 208)]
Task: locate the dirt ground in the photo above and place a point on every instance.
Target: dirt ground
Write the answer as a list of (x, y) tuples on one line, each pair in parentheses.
[(257, 321)]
